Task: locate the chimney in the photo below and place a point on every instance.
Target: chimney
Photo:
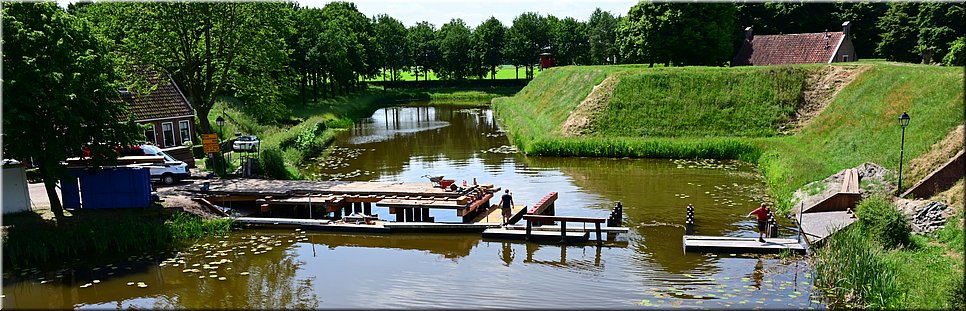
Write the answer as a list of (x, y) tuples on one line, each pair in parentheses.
[(748, 34), (847, 29)]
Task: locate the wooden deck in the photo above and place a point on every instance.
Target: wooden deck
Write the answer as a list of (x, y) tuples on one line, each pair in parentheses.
[(734, 245), (818, 226), (495, 214), (313, 224)]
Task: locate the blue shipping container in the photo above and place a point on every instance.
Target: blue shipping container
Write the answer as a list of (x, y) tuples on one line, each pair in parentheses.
[(120, 187)]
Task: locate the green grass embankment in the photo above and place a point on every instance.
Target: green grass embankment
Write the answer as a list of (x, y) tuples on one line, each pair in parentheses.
[(700, 112)]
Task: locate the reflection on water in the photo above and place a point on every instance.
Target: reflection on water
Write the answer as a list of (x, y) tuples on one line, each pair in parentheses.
[(294, 269)]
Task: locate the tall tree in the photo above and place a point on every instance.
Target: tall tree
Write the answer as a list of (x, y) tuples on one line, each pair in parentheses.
[(454, 47), (59, 82), (488, 41), (682, 33), (862, 16), (601, 34), (209, 48), (391, 41), (939, 25), (569, 42), (425, 49), (527, 37), (897, 31)]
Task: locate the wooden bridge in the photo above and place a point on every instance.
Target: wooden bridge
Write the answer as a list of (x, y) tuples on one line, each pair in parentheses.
[(738, 245)]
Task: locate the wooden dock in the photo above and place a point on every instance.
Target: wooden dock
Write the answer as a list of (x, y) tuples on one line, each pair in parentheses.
[(734, 245), (313, 224), (535, 236)]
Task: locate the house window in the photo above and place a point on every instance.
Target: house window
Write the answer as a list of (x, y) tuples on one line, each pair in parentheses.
[(845, 57), (150, 136), (167, 132), (185, 131)]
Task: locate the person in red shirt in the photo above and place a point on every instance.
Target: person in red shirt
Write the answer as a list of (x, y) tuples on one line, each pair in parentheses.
[(762, 214)]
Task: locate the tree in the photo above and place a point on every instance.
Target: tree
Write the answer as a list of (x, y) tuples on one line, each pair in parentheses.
[(422, 43), (59, 82), (488, 41), (682, 33), (940, 24), (601, 35), (897, 31), (956, 56), (569, 42), (391, 41), (209, 48), (526, 38), (454, 47), (862, 17)]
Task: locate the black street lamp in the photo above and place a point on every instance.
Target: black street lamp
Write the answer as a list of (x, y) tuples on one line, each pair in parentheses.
[(903, 122), (220, 121)]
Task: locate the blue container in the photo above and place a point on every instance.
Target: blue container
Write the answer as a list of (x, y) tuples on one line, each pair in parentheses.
[(121, 187)]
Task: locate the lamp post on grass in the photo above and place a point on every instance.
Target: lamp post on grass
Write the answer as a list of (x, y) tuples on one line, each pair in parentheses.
[(221, 131), (903, 122)]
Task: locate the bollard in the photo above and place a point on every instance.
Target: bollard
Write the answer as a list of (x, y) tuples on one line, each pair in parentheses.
[(772, 226), (689, 221)]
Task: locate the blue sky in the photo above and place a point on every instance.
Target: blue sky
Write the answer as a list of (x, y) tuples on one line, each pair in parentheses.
[(474, 12)]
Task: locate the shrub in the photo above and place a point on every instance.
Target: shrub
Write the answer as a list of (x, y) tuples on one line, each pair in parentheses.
[(880, 219), (272, 163)]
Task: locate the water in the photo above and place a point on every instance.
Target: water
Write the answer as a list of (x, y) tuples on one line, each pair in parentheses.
[(295, 269)]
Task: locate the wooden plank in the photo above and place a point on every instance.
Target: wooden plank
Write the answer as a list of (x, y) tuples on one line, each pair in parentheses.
[(565, 218), (569, 228), (494, 214), (723, 244), (542, 205)]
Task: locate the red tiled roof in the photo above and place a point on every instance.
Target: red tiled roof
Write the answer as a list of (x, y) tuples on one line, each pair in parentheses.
[(799, 48), (164, 101)]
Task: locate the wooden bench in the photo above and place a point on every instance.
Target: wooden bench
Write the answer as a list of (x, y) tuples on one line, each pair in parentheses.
[(563, 224)]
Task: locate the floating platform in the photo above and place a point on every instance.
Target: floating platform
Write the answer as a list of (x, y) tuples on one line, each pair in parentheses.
[(536, 236), (313, 224), (735, 245)]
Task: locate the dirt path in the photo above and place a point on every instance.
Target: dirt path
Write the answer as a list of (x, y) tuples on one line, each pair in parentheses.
[(580, 119), (821, 88)]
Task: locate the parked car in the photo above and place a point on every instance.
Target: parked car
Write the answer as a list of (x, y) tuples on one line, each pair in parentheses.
[(246, 143), (171, 171)]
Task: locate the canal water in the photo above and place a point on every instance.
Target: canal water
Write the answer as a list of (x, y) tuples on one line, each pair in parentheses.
[(647, 268)]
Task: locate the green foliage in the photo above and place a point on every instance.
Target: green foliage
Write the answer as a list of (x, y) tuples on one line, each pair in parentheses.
[(525, 39), (488, 41), (391, 45), (708, 102), (569, 41), (879, 217), (957, 53), (601, 28), (424, 48), (852, 270), (454, 47), (677, 32), (60, 90), (272, 164)]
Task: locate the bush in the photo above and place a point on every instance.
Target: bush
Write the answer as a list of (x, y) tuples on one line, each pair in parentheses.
[(198, 151), (272, 164), (880, 219)]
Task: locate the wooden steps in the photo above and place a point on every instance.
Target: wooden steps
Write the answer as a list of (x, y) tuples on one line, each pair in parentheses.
[(735, 245)]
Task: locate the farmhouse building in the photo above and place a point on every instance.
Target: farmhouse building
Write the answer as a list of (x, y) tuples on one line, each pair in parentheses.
[(798, 48), (165, 109)]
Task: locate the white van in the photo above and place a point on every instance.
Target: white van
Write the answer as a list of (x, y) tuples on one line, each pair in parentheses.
[(168, 173)]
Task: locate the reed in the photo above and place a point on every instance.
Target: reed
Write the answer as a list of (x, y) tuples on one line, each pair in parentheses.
[(852, 272)]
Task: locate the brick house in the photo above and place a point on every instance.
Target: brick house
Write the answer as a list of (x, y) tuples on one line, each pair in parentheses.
[(165, 108), (798, 48)]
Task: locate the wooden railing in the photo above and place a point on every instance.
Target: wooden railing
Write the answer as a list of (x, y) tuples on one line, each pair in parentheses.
[(563, 224)]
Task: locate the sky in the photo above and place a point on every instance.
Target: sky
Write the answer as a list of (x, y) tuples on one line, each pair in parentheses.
[(474, 12)]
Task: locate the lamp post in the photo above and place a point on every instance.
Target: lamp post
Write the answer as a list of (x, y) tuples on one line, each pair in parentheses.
[(903, 122), (221, 123)]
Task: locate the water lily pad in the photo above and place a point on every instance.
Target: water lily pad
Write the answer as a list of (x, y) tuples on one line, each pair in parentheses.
[(130, 283), (86, 285), (142, 285), (96, 281), (222, 278)]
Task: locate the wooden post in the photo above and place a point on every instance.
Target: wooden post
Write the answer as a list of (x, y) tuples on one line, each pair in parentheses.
[(409, 214), (367, 208), (399, 215), (417, 214), (563, 231), (425, 216), (599, 241), (337, 214), (357, 207), (529, 228), (689, 222)]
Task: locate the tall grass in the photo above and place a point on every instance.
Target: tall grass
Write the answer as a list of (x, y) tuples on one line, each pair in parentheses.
[(33, 242), (851, 269)]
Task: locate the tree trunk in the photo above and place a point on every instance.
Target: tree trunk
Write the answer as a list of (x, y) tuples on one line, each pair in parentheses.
[(50, 184), (518, 71), (302, 87), (203, 119)]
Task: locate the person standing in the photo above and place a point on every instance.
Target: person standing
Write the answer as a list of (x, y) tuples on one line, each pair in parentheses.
[(761, 213), (506, 202)]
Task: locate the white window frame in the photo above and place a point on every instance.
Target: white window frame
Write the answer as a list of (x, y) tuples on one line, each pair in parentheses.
[(163, 140), (184, 128)]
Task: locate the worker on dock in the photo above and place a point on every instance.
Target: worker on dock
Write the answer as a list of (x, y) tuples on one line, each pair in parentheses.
[(762, 214), (506, 203)]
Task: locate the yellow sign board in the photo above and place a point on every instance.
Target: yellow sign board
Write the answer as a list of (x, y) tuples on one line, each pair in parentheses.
[(210, 141)]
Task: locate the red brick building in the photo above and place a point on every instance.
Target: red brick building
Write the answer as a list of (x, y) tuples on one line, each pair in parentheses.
[(799, 48), (165, 108)]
